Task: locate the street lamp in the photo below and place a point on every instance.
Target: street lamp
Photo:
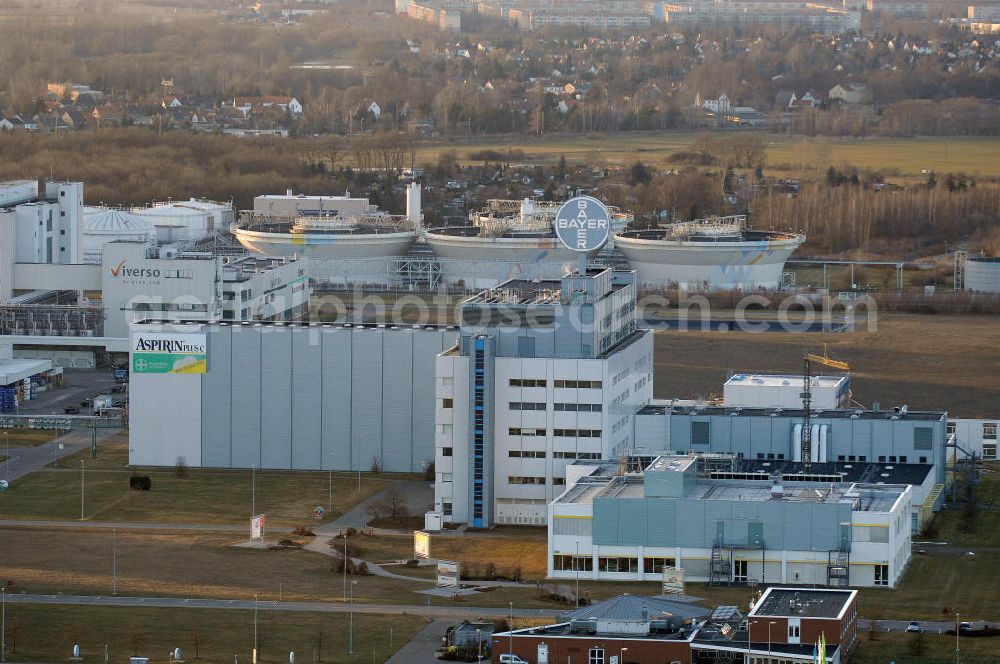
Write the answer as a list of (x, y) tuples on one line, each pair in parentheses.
[(510, 632), (479, 645), (576, 565), (350, 633), (958, 632), (3, 625), (621, 656), (83, 477)]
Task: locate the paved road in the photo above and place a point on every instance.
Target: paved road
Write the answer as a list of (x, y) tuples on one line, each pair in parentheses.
[(126, 525), (929, 626), (26, 460), (448, 612), (422, 647), (80, 384)]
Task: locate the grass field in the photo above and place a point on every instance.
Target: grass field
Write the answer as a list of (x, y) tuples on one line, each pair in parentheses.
[(523, 554), (938, 649), (927, 362), (47, 633), (204, 496), (26, 437), (903, 156)]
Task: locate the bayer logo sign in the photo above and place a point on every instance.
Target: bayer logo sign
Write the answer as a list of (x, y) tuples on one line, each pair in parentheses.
[(583, 224)]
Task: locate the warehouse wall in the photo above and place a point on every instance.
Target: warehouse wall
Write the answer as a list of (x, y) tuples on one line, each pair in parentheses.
[(298, 397)]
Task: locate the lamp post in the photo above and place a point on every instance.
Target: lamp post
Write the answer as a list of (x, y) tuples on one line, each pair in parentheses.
[(621, 656), (254, 629), (350, 633), (3, 625), (83, 477), (510, 632), (114, 561), (576, 565), (479, 645), (958, 632), (769, 641)]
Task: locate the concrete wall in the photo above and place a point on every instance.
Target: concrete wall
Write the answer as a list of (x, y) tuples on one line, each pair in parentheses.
[(43, 276)]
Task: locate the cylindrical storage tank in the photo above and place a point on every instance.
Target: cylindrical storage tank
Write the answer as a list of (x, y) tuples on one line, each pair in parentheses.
[(176, 222), (103, 225), (982, 274)]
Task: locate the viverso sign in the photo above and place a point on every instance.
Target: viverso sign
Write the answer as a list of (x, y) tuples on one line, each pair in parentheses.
[(583, 224)]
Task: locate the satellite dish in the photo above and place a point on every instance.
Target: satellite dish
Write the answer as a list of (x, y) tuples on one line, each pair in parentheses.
[(76, 651), (177, 654), (4, 485), (291, 657)]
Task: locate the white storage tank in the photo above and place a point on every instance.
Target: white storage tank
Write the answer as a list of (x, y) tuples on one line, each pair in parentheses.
[(785, 391), (982, 274), (103, 225), (182, 221)]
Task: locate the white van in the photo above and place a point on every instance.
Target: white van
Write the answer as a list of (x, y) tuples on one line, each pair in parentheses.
[(507, 658)]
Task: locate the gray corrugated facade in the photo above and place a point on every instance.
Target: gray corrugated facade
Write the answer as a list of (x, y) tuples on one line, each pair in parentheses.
[(300, 397), (877, 436), (695, 523)]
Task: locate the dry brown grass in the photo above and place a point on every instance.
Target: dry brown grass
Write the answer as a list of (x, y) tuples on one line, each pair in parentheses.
[(927, 362)]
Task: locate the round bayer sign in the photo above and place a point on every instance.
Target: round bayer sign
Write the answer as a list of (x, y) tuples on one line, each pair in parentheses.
[(583, 224)]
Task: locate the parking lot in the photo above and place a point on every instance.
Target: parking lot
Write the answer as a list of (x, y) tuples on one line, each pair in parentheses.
[(79, 384)]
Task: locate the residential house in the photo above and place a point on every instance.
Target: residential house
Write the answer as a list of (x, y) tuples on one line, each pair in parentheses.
[(850, 93), (287, 104)]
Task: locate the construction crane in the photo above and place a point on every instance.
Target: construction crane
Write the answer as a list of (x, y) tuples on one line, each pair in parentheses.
[(808, 361)]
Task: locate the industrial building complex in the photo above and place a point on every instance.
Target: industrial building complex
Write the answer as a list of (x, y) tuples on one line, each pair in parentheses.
[(535, 408), (769, 524)]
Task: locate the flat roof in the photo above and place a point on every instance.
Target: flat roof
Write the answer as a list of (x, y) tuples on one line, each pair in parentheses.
[(158, 322), (803, 602), (838, 413), (784, 380), (863, 472), (862, 497), (520, 292)]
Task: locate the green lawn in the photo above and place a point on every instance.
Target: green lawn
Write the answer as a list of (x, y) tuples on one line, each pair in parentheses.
[(906, 157), (204, 496), (47, 633)]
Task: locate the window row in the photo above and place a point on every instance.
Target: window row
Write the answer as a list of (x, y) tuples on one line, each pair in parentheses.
[(520, 479), (526, 454), (526, 405), (584, 563), (576, 455), (528, 382), (577, 433), (579, 384), (519, 431), (578, 407)]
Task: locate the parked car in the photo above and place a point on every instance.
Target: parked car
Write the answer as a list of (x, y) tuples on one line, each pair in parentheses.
[(87, 403), (71, 410), (914, 626), (507, 658)]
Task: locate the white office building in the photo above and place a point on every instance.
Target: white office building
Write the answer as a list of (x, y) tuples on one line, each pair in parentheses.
[(545, 372)]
